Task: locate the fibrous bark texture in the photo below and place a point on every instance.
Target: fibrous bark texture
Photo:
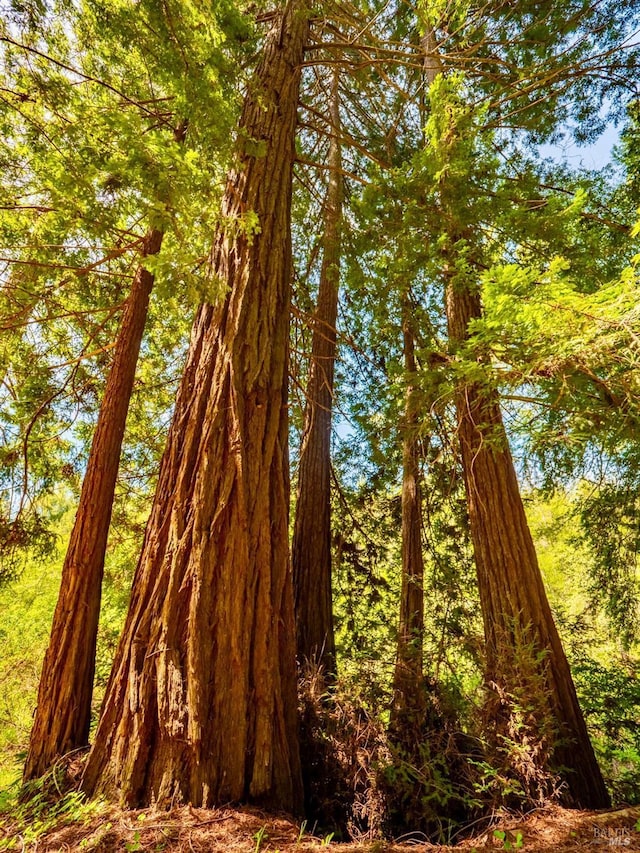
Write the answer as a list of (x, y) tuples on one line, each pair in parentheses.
[(526, 663), (311, 547), (201, 702), (63, 712), (408, 680)]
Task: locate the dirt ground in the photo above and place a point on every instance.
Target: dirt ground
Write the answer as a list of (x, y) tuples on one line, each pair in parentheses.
[(190, 830)]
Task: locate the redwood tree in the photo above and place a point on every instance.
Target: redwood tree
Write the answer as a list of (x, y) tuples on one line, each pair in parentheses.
[(525, 659), (63, 712), (201, 701), (526, 667), (408, 678), (311, 547), (527, 671)]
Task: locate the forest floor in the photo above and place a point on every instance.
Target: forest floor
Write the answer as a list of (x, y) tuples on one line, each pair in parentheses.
[(191, 830)]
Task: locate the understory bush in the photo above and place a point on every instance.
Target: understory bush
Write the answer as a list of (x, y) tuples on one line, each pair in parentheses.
[(422, 779), (610, 699)]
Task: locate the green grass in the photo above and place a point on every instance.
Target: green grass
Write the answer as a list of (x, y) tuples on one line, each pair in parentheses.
[(40, 808)]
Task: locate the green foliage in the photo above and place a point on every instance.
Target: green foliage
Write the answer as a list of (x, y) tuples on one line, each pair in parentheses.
[(444, 187), (260, 838), (610, 698), (120, 563), (30, 533), (134, 845), (26, 609), (508, 840), (519, 722), (432, 785), (609, 518), (28, 813), (603, 652), (96, 101), (366, 582), (576, 349)]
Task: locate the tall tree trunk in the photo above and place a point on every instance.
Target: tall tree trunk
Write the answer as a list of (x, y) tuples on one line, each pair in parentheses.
[(201, 701), (526, 663), (409, 697), (63, 712), (408, 678), (311, 548)]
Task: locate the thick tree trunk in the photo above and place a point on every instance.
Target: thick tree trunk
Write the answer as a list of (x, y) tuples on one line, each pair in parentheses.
[(311, 548), (526, 664), (408, 678), (201, 701), (63, 712)]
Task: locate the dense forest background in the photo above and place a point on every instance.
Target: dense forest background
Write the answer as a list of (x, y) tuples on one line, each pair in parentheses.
[(409, 413)]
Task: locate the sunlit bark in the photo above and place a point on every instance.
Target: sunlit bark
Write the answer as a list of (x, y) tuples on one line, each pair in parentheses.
[(63, 712), (201, 702)]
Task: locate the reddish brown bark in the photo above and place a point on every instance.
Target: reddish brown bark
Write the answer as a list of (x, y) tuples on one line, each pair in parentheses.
[(311, 547), (408, 679), (63, 711), (525, 658), (201, 701), (523, 649)]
